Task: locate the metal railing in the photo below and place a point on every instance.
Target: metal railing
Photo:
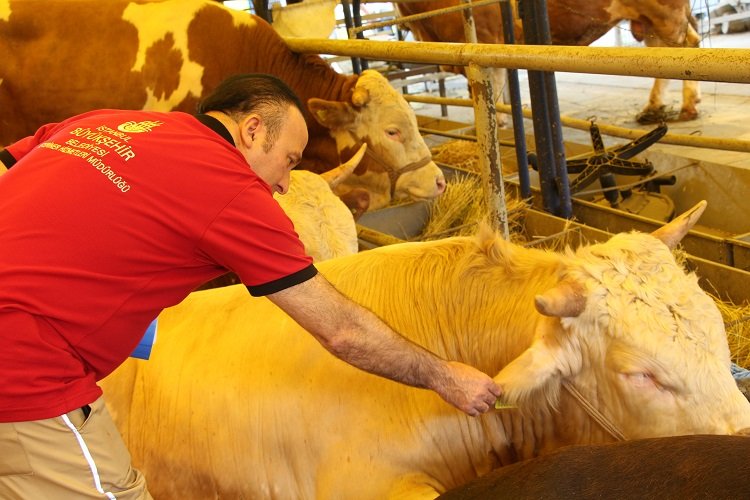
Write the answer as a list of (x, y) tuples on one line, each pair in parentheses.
[(702, 64)]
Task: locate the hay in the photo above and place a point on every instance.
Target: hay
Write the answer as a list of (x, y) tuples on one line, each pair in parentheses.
[(737, 324), (459, 154), (464, 155), (462, 207), (736, 319)]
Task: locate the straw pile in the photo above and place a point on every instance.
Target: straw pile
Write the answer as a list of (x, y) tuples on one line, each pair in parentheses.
[(736, 320), (464, 155), (737, 323), (462, 207), (459, 154)]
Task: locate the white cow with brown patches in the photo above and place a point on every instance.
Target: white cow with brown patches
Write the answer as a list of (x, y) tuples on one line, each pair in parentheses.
[(238, 402), (658, 23), (166, 55)]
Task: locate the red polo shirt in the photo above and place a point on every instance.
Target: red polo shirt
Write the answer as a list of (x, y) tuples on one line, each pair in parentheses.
[(106, 219)]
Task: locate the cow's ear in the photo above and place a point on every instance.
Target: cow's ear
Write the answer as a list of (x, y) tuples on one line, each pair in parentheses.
[(540, 367), (331, 114)]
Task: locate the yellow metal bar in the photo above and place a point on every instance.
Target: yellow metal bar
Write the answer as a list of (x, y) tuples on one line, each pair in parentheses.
[(419, 17), (376, 237), (719, 65), (614, 131)]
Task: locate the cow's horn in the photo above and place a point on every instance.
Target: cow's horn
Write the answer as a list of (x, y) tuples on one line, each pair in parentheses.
[(360, 97), (673, 232), (335, 176), (566, 300)]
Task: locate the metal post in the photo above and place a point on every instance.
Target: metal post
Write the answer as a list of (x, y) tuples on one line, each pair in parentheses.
[(553, 176), (546, 112), (519, 134), (356, 62), (485, 122), (261, 10), (357, 15)]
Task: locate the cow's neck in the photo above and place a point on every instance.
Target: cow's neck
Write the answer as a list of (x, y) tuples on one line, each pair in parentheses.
[(309, 76)]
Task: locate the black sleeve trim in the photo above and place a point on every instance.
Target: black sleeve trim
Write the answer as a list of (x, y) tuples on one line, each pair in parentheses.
[(283, 283), (7, 159)]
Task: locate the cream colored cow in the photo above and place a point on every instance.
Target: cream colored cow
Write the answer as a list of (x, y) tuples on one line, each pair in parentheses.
[(238, 401)]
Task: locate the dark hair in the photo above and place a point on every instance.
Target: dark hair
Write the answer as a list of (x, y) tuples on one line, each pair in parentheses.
[(247, 93)]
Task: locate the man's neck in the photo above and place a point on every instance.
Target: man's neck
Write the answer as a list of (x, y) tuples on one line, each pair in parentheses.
[(229, 124)]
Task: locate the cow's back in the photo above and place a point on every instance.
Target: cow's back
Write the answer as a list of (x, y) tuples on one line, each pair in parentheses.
[(286, 419)]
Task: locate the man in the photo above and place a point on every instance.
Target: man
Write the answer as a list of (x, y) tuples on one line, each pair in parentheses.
[(111, 216)]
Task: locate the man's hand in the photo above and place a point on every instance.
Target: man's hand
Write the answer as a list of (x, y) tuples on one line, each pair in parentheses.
[(468, 389)]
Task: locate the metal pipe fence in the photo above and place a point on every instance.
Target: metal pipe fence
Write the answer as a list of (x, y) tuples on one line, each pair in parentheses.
[(702, 64)]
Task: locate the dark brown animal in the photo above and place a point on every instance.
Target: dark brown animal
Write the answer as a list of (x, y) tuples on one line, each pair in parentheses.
[(680, 468)]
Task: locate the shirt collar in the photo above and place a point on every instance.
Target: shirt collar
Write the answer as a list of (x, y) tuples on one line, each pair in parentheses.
[(216, 126)]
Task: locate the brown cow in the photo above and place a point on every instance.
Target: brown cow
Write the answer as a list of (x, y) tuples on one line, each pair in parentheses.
[(579, 22), (679, 467), (165, 55)]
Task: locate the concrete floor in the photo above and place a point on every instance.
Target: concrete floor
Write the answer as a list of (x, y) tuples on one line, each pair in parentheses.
[(615, 100)]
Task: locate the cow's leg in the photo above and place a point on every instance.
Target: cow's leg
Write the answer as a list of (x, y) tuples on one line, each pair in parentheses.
[(500, 92), (691, 96), (691, 90), (656, 110)]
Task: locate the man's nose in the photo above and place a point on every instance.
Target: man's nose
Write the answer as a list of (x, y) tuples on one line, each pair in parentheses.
[(283, 186)]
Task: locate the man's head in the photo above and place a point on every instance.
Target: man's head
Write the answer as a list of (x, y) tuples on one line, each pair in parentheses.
[(272, 131)]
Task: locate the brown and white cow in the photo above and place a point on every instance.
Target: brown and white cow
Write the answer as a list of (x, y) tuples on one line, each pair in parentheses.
[(658, 23), (237, 401), (166, 55)]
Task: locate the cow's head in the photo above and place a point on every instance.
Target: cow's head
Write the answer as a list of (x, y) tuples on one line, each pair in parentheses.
[(324, 223), (637, 336), (398, 163)]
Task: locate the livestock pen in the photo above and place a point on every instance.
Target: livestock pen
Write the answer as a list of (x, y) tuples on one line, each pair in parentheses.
[(718, 249), (718, 65)]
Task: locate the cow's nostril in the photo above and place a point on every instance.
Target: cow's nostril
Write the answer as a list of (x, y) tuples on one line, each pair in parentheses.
[(440, 184), (743, 432)]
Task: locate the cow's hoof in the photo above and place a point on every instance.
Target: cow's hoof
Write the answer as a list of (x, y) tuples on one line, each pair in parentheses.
[(688, 114), (656, 115)]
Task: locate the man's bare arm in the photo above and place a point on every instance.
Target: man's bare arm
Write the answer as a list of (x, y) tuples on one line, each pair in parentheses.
[(360, 338)]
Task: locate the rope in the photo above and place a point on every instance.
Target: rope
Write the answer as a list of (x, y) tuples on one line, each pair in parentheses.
[(603, 421)]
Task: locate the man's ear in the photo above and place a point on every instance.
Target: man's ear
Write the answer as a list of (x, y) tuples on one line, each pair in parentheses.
[(249, 127)]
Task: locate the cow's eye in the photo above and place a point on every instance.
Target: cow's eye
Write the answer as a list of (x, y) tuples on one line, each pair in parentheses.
[(640, 379), (393, 133), (643, 380)]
